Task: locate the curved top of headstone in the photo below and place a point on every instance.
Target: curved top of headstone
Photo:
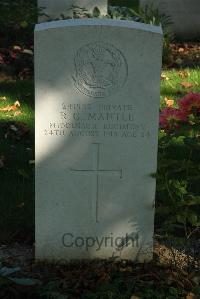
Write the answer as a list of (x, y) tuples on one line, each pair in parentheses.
[(98, 22)]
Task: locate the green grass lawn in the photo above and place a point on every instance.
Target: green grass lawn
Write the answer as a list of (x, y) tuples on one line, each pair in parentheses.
[(171, 83), (23, 91), (17, 146)]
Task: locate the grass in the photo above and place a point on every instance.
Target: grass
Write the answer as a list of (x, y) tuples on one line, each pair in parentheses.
[(171, 83), (17, 208), (17, 175), (23, 91), (17, 148)]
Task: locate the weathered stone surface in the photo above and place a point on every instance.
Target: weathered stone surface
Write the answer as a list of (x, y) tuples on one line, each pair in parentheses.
[(97, 105), (185, 16)]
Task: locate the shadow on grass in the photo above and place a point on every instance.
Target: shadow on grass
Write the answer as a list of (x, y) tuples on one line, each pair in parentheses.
[(168, 91), (16, 171)]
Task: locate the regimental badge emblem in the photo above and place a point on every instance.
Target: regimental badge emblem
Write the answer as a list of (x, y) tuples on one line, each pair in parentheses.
[(101, 69)]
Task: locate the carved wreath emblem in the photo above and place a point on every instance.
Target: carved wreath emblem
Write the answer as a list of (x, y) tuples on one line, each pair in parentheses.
[(101, 69)]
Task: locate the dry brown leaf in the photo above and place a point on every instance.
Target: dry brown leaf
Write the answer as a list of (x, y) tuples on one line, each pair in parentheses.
[(8, 108), (186, 84), (184, 74), (11, 107), (181, 50), (169, 102)]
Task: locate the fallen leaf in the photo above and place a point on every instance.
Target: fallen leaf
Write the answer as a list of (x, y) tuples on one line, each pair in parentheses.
[(11, 107), (17, 48), (164, 77), (169, 102), (17, 104), (186, 84), (8, 108), (181, 50), (184, 74), (3, 98), (17, 113)]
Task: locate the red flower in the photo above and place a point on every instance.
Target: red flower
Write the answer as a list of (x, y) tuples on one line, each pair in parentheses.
[(190, 103), (171, 118)]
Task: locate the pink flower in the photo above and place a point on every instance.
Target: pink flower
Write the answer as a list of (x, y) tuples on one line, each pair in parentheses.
[(171, 118), (190, 103)]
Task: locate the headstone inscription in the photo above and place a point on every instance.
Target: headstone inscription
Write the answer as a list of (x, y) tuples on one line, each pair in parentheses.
[(97, 105), (56, 9)]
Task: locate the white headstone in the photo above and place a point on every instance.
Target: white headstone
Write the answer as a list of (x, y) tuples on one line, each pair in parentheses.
[(54, 9), (184, 16), (97, 106)]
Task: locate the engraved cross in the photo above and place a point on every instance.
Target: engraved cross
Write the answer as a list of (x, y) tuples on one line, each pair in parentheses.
[(97, 171)]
